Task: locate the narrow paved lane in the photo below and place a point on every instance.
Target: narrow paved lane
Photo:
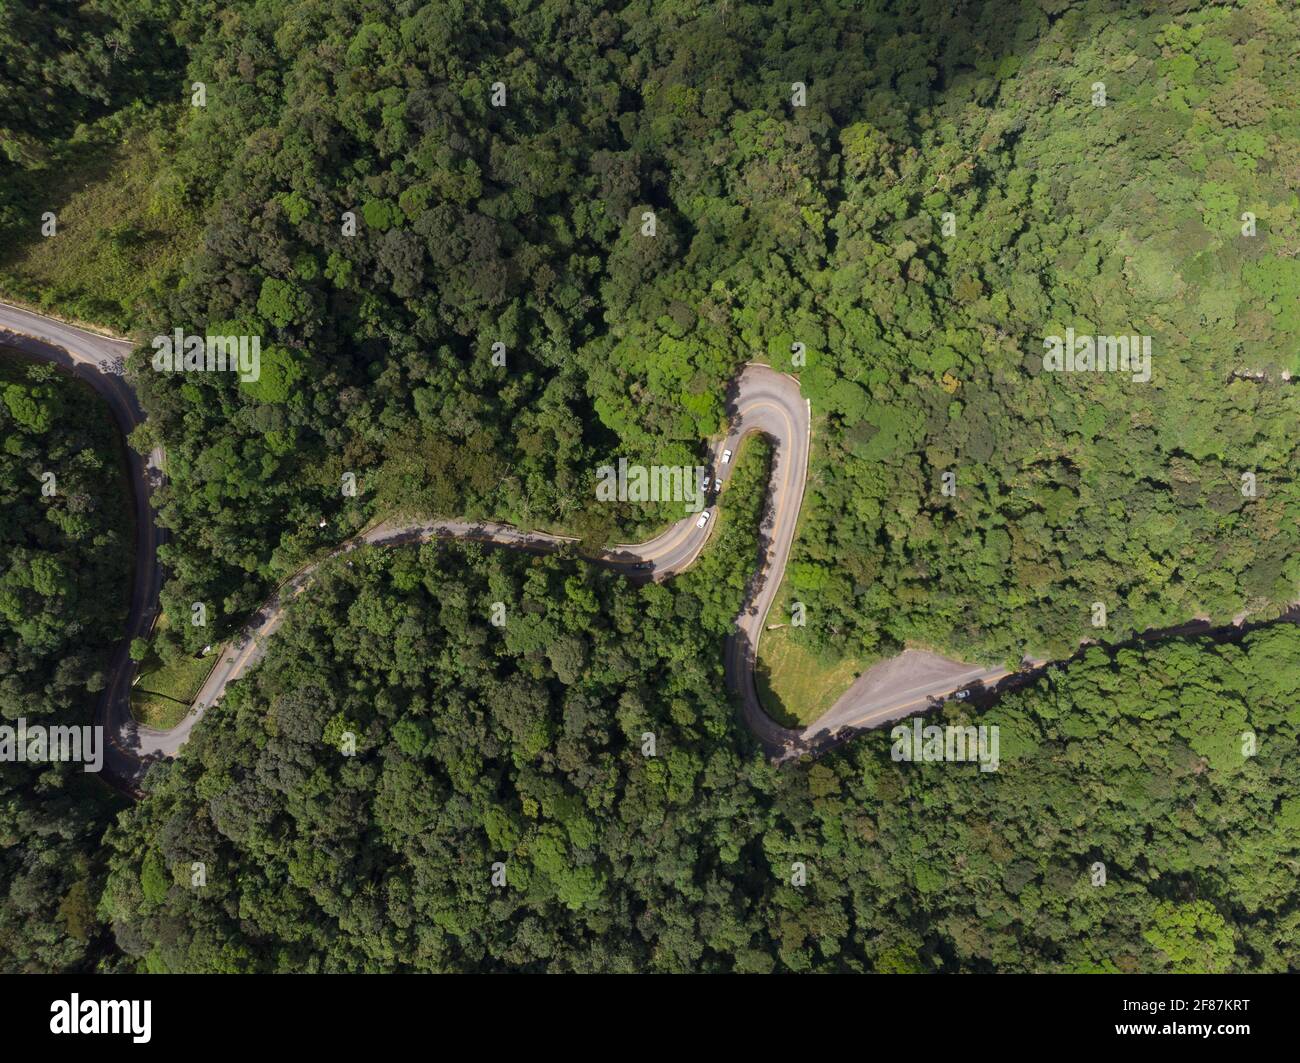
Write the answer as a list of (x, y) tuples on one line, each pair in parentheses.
[(759, 400), (101, 361)]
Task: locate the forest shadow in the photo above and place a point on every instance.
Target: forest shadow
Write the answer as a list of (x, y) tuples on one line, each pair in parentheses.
[(1193, 630)]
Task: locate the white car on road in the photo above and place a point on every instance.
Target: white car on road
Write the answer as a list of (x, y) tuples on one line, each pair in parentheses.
[(726, 457), (704, 519)]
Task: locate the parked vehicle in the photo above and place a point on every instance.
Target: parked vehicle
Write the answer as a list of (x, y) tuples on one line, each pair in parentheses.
[(726, 456), (704, 519)]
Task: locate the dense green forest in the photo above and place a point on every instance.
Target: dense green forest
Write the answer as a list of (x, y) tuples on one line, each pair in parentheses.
[(520, 751), (65, 561), (949, 193), (896, 201), (775, 224)]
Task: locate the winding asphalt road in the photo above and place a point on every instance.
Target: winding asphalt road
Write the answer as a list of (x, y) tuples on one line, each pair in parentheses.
[(100, 361), (759, 400)]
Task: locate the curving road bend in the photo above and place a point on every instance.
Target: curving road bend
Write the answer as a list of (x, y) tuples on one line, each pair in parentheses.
[(759, 400), (100, 361)]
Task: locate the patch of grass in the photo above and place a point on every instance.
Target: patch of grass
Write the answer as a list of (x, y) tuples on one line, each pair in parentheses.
[(156, 711), (165, 689), (121, 231), (797, 683)]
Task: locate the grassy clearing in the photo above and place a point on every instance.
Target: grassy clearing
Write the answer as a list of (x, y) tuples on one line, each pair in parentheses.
[(165, 689), (121, 234), (796, 681)]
